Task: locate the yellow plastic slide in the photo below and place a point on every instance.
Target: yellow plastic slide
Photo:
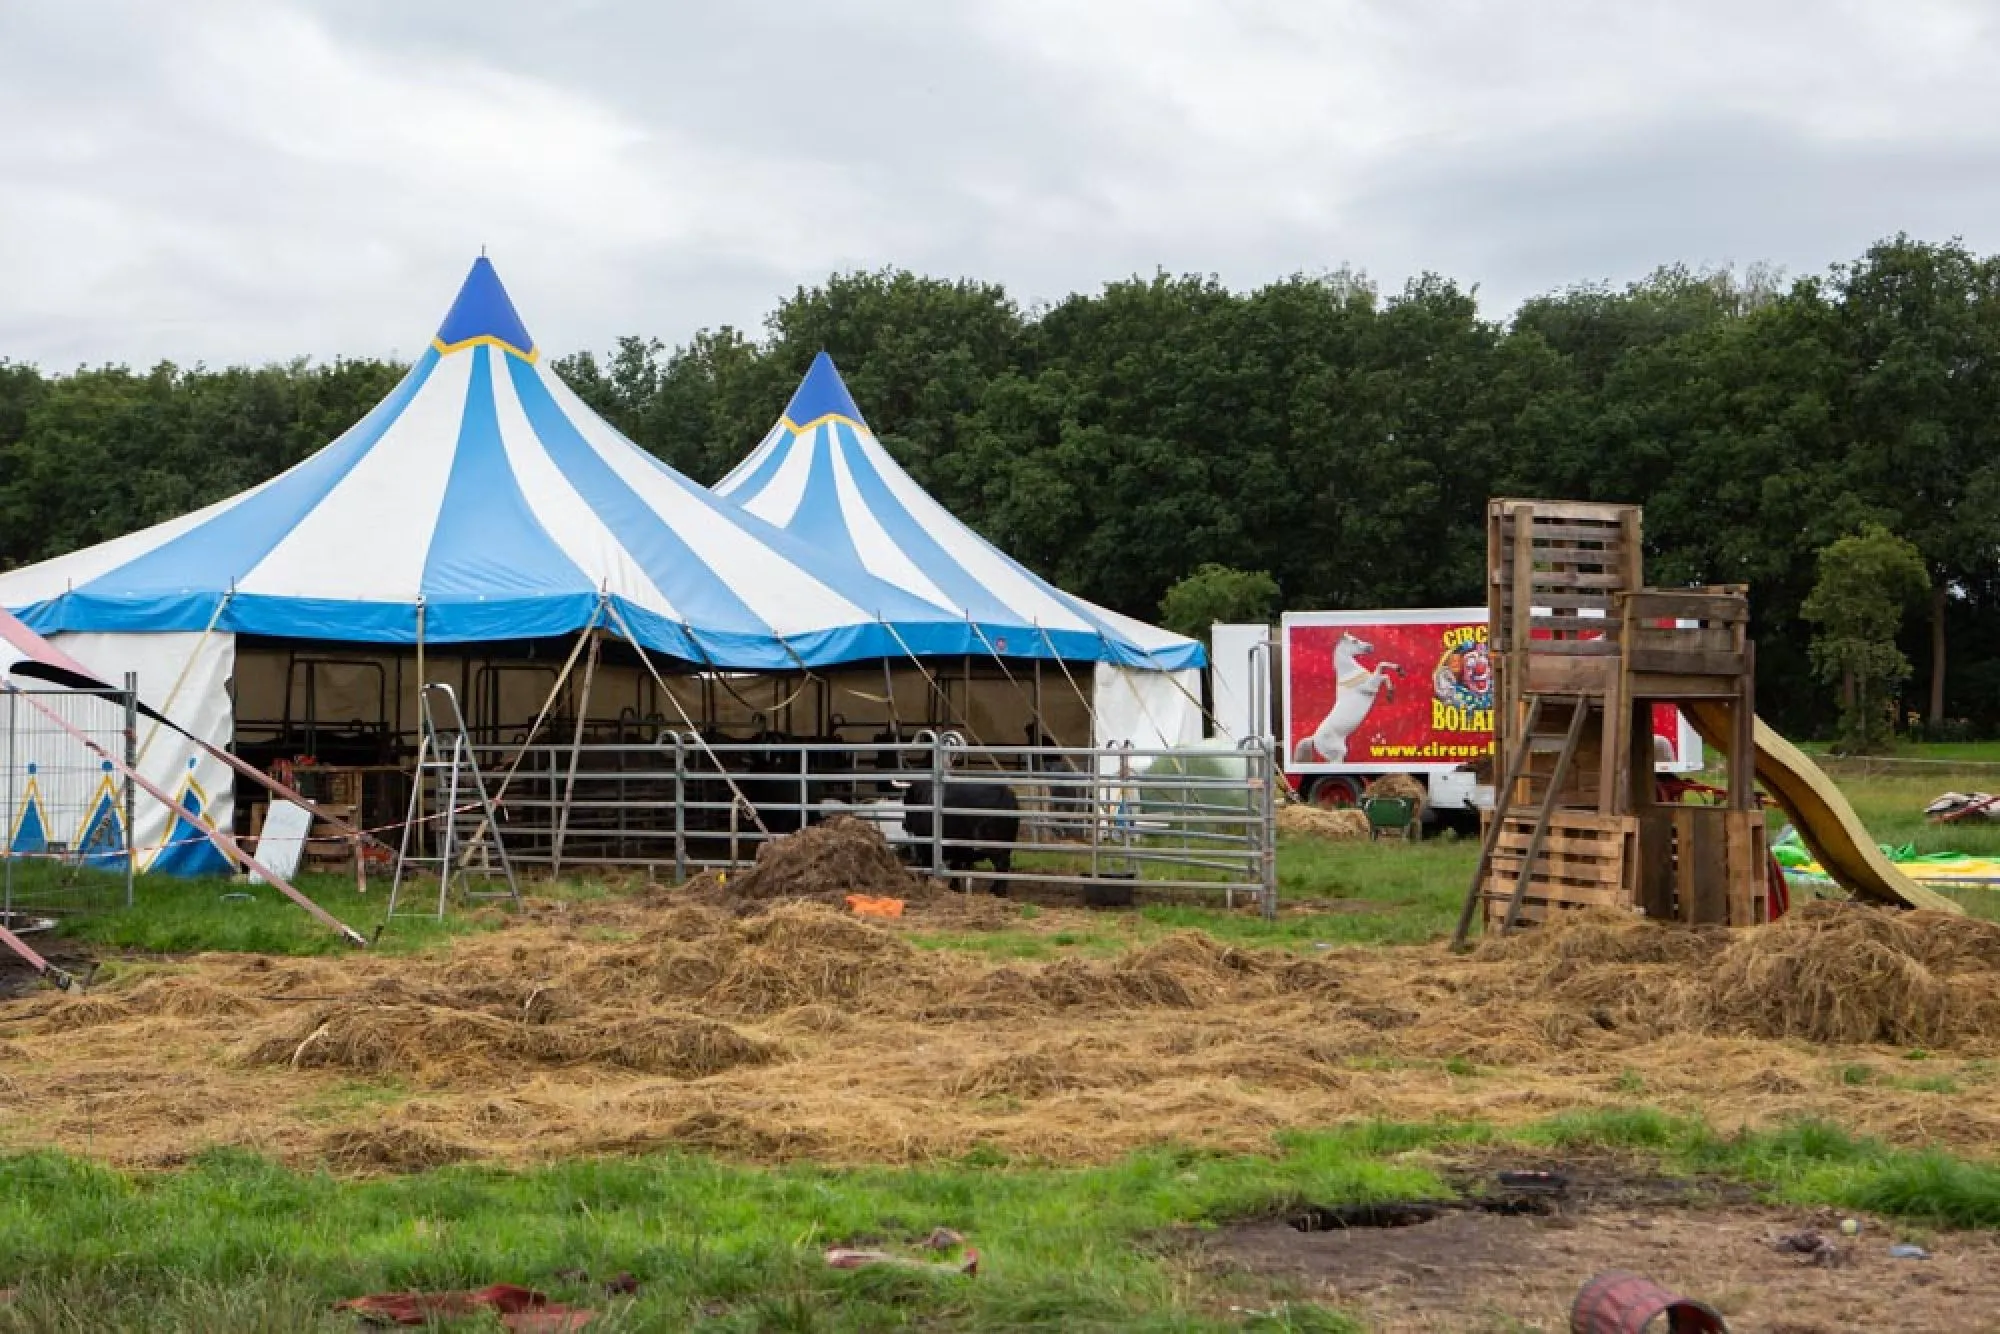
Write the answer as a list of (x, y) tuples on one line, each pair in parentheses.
[(1825, 821)]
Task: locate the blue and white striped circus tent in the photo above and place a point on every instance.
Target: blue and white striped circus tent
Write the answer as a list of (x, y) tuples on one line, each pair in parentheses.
[(823, 477), (480, 502)]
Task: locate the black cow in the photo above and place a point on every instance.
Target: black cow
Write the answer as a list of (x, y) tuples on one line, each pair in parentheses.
[(977, 816)]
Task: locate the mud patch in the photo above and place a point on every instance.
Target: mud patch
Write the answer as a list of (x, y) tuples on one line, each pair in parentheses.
[(1422, 1267)]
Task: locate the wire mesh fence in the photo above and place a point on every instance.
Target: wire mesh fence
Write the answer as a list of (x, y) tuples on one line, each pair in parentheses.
[(67, 812)]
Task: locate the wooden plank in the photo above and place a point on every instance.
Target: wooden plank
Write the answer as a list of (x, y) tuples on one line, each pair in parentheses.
[(1604, 846), (1575, 648), (1546, 873), (1575, 822), (1569, 623), (1515, 576), (1760, 843), (1553, 532), (1674, 686), (1576, 531), (1573, 560), (1684, 663), (1711, 867), (1743, 869), (1614, 759), (1656, 606), (1568, 511), (1576, 896), (1595, 864), (1683, 827), (1743, 736), (1656, 867), (1685, 639), (1635, 548), (1522, 573), (1578, 824), (1570, 557)]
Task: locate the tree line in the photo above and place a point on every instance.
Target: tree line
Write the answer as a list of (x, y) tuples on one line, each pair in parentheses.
[(1315, 434)]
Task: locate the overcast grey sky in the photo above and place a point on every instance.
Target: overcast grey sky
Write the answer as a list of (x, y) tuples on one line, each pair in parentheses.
[(223, 181)]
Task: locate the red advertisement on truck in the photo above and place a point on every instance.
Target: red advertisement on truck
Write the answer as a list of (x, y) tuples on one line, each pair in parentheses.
[(1403, 691)]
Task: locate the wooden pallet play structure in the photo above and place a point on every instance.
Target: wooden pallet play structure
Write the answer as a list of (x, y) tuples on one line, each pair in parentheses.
[(1582, 651)]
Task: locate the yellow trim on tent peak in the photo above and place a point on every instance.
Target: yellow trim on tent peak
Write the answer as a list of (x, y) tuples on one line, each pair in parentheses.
[(797, 429), (530, 356)]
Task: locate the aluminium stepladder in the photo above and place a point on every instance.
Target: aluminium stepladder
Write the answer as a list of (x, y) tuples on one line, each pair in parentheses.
[(466, 820)]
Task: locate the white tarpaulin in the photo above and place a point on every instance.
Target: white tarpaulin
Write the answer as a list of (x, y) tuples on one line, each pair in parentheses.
[(1147, 710), (1234, 665), (186, 677)]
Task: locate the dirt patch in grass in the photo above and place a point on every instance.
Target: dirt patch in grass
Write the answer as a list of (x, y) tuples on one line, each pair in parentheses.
[(1468, 1269)]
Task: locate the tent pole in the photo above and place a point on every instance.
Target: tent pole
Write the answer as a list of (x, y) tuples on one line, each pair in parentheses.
[(535, 728), (1089, 702), (417, 776), (575, 754)]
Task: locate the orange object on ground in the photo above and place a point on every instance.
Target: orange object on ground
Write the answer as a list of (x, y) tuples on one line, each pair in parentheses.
[(866, 905)]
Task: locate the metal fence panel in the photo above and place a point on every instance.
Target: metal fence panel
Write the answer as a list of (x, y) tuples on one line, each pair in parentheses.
[(1175, 820), (67, 812)]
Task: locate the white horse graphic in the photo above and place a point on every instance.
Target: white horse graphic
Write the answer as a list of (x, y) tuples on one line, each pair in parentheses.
[(1354, 690)]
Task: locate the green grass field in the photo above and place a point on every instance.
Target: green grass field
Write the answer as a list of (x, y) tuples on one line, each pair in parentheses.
[(233, 1243)]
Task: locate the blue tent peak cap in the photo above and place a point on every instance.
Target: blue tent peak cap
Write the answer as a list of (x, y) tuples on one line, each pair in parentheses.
[(821, 394), (483, 313)]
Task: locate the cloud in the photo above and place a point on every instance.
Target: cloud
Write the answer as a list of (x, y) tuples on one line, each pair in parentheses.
[(229, 181)]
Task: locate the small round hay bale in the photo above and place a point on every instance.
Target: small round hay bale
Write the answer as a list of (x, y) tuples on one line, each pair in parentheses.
[(1400, 785), (1303, 820)]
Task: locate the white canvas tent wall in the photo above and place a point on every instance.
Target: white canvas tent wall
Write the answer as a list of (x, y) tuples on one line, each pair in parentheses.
[(821, 475)]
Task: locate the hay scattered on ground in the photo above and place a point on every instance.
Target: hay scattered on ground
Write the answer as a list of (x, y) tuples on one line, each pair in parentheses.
[(803, 1031), (392, 1147), (1305, 820)]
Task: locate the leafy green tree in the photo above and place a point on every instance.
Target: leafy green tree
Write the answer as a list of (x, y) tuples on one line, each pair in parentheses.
[(1866, 583), (1918, 328), (1217, 593)]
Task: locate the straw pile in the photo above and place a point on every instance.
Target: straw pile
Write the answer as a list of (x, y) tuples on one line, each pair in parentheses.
[(1304, 820), (1400, 785), (821, 863), (801, 1031)]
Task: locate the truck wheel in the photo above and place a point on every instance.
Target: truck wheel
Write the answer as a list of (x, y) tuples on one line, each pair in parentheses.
[(1336, 792)]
